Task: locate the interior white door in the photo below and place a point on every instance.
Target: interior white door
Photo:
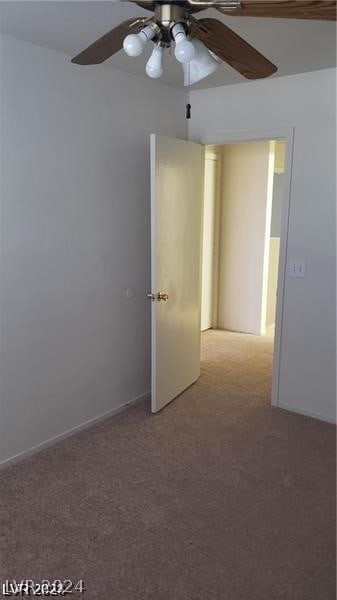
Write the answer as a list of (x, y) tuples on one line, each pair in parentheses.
[(176, 236)]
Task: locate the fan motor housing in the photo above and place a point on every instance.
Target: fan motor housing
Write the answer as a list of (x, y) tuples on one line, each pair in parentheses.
[(151, 6), (166, 15)]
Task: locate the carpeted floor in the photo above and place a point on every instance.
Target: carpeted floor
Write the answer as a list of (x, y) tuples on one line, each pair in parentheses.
[(218, 497)]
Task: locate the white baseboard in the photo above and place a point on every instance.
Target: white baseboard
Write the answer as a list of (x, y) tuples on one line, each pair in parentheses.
[(61, 436), (306, 413)]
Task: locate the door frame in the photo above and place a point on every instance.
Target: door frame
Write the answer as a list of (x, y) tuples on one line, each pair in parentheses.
[(285, 133), (216, 241)]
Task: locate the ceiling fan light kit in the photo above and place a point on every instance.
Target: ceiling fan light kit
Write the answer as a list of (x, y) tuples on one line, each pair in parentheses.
[(165, 32), (200, 44)]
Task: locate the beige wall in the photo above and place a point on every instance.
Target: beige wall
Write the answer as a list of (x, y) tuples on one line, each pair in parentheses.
[(246, 195), (210, 245), (274, 254)]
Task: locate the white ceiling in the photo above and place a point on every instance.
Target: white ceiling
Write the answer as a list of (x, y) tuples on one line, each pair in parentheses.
[(68, 27)]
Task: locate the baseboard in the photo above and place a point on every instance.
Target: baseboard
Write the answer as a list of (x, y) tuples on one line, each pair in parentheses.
[(61, 436), (306, 413), (246, 332)]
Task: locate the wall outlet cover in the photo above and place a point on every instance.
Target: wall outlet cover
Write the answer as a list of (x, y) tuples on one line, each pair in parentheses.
[(297, 268)]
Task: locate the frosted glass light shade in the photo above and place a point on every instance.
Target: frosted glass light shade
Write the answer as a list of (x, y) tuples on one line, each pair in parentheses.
[(202, 65)]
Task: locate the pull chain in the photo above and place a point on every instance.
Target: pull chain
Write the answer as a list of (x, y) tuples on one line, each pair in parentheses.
[(188, 106)]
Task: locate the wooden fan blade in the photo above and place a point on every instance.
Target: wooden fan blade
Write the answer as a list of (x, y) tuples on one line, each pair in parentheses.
[(321, 10), (108, 44), (232, 48)]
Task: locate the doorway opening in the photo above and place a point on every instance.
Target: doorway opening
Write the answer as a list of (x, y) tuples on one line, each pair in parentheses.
[(243, 223)]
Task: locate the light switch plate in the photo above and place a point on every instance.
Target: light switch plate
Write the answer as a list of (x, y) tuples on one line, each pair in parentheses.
[(297, 268)]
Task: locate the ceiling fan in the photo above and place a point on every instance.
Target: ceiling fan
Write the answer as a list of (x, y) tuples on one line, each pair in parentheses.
[(200, 44)]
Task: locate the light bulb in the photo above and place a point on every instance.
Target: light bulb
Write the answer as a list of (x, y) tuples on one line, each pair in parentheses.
[(154, 66), (135, 43), (184, 50)]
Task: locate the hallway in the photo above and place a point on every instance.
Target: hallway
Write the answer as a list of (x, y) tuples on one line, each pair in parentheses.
[(217, 497), (238, 366)]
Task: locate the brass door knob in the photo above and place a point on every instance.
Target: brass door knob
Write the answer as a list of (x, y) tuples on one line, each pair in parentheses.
[(162, 296)]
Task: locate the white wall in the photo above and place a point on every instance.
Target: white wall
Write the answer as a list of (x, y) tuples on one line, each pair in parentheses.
[(307, 102), (246, 198), (75, 236)]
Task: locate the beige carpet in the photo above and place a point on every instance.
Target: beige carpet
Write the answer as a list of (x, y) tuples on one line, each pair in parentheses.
[(218, 497)]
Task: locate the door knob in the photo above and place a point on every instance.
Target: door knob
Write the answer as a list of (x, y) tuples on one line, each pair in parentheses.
[(151, 296), (162, 296)]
